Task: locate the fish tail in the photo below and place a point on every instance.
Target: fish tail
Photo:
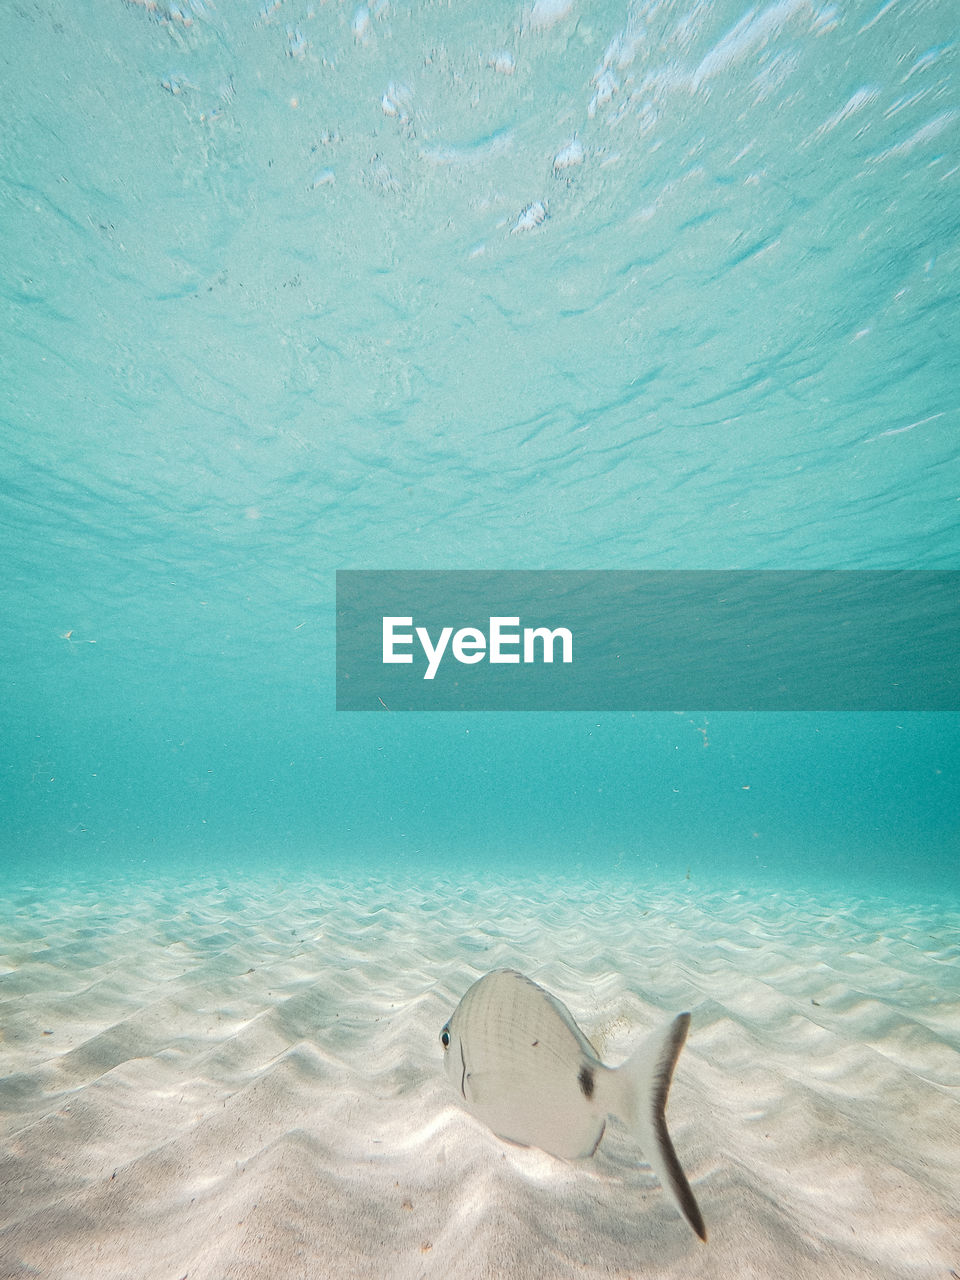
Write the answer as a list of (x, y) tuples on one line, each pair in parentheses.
[(639, 1097)]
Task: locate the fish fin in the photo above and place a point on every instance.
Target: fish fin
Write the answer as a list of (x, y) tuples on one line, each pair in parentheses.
[(637, 1093), (480, 1087)]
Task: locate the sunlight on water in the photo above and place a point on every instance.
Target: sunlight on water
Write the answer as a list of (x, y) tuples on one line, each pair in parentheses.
[(292, 287)]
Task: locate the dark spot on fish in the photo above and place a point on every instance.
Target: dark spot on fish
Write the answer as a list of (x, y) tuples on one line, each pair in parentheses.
[(586, 1081)]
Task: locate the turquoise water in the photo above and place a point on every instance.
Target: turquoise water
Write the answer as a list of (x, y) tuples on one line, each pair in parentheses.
[(293, 288)]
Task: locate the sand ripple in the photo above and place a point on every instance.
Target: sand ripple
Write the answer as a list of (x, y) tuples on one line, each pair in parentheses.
[(244, 1080)]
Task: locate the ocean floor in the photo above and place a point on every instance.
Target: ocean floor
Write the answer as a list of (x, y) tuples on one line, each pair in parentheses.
[(225, 1080)]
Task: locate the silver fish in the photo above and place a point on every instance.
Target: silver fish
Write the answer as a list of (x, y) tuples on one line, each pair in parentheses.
[(524, 1067)]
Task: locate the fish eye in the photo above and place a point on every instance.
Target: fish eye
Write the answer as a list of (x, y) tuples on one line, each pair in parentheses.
[(445, 1037)]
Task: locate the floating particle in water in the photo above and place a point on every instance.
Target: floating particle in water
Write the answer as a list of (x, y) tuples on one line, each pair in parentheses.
[(569, 155), (175, 85), (531, 217), (547, 12), (396, 101), (176, 14), (361, 25), (607, 86), (296, 44)]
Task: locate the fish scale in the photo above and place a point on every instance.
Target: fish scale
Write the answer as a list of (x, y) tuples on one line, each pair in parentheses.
[(521, 1065)]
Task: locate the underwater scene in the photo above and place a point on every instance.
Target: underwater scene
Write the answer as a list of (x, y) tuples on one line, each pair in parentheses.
[(296, 288)]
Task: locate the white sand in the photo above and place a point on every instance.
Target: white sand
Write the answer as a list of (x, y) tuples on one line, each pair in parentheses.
[(245, 1081)]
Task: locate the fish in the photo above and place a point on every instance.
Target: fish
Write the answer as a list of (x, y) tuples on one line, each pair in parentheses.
[(524, 1068)]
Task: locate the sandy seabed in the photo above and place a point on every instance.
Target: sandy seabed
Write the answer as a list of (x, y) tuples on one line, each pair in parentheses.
[(241, 1080)]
